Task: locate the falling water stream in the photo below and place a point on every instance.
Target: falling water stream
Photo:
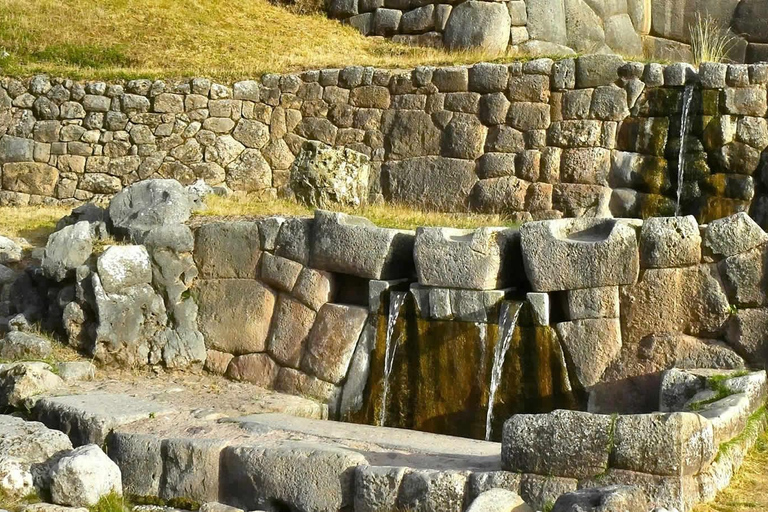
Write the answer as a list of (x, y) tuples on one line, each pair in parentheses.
[(396, 300), (684, 122), (507, 322)]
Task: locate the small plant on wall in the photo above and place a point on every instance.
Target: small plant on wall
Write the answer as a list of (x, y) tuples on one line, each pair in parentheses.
[(710, 40)]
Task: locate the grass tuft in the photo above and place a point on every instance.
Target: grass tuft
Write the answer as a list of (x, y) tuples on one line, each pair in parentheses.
[(32, 223), (111, 502), (710, 40)]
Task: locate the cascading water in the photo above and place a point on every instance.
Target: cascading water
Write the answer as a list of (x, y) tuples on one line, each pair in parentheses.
[(684, 122), (507, 322), (396, 301)]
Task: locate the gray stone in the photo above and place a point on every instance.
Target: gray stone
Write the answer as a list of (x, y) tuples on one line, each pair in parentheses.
[(546, 21), (235, 314), (252, 134), (354, 245), (147, 204), (584, 26), (386, 22), (258, 369), (83, 476), (332, 341), (409, 133), (191, 469), (471, 259), (561, 443), (733, 235), (712, 75), (66, 250), (15, 149), (621, 36), (596, 70), (30, 178), (418, 20), (670, 242), (23, 345), (591, 345), (681, 443), (280, 273), (603, 499), (464, 137), (91, 417), (488, 78), (290, 328), (746, 334), (10, 251), (744, 276), (527, 116), (32, 443), (431, 182), (747, 101), (254, 477), (423, 490), (326, 177), (228, 250), (499, 500), (74, 371), (377, 487), (21, 381), (474, 24), (123, 266), (587, 303), (314, 288), (293, 240), (581, 253)]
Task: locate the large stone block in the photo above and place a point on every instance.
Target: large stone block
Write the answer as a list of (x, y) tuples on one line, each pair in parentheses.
[(671, 492), (332, 341), (354, 245), (745, 277), (16, 149), (663, 444), (314, 287), (597, 70), (561, 443), (324, 177), (66, 250), (291, 324), (425, 490), (746, 333), (409, 134), (688, 300), (673, 21), (473, 259), (546, 21), (228, 250), (142, 206), (304, 476), (733, 235), (593, 303), (670, 242), (377, 487), (191, 469), (603, 499), (234, 314), (30, 178), (579, 253), (279, 273), (140, 460), (481, 25), (431, 182), (591, 345), (499, 500), (259, 369), (123, 266)]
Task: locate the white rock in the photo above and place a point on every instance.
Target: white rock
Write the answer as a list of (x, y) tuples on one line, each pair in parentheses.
[(15, 478), (83, 476)]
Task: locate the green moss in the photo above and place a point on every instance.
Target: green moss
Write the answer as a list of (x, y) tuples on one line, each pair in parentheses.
[(755, 425)]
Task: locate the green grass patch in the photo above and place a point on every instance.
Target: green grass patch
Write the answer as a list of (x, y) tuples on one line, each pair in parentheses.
[(112, 502), (755, 426), (84, 56)]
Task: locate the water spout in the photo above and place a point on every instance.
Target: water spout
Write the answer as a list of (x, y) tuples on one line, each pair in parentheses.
[(507, 322), (396, 301), (684, 122)]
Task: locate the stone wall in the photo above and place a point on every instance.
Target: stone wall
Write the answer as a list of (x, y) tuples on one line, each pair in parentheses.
[(654, 28), (539, 139), (304, 305)]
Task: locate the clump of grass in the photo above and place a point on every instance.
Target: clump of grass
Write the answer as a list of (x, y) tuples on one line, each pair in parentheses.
[(384, 215), (710, 40), (111, 502)]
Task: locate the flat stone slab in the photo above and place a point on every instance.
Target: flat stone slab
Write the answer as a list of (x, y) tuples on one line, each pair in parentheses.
[(393, 446), (89, 418)]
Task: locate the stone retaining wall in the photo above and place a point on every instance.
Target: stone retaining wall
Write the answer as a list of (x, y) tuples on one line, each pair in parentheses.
[(302, 305), (540, 139), (654, 28)]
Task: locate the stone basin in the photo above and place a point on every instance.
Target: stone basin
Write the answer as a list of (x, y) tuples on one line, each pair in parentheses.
[(571, 254)]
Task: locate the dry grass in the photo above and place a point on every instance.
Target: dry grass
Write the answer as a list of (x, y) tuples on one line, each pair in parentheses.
[(384, 215), (225, 39), (748, 491), (32, 223), (710, 41)]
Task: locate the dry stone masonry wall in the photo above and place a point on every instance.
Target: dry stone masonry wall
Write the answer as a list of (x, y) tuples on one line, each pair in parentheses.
[(539, 139), (654, 28)]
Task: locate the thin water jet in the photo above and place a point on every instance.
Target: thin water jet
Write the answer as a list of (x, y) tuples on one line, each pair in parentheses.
[(396, 301), (684, 125), (507, 323)]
